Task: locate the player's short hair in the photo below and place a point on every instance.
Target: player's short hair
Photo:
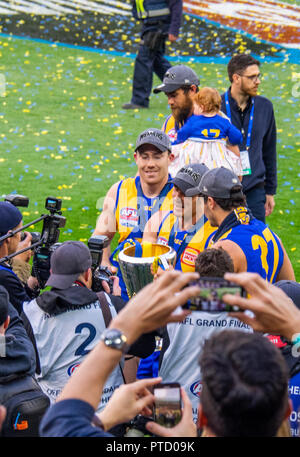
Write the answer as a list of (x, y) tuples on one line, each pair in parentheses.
[(214, 262)]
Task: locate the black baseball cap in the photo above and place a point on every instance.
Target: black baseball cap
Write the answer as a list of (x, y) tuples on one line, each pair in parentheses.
[(176, 77), (189, 177), (291, 288), (217, 183), (155, 137), (68, 261)]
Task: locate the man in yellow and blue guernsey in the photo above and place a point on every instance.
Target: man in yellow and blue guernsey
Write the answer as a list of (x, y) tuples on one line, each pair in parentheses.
[(131, 202), (180, 84), (252, 245), (185, 228)]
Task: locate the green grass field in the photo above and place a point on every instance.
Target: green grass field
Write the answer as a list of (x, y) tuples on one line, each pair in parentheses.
[(63, 132)]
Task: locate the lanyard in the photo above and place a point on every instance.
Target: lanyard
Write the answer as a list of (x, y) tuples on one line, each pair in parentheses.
[(143, 217), (250, 125), (155, 203)]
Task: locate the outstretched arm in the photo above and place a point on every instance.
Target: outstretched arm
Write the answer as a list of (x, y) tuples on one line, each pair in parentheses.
[(274, 312), (150, 309)]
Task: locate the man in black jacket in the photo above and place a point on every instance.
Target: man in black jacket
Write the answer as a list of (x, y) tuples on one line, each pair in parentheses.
[(11, 220), (161, 20), (253, 115), (16, 350), (68, 321)]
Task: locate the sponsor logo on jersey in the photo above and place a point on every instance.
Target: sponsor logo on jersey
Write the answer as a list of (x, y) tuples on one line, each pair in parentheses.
[(172, 134), (189, 256), (196, 388), (72, 368), (242, 215), (162, 240), (129, 217)]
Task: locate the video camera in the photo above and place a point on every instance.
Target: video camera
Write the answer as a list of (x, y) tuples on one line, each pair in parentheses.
[(43, 244), (96, 244)]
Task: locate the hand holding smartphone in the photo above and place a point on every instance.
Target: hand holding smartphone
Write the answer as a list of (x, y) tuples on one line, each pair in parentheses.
[(167, 408), (210, 298)]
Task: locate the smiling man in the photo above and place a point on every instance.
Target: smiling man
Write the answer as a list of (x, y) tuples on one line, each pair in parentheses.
[(130, 203), (185, 229), (253, 115)]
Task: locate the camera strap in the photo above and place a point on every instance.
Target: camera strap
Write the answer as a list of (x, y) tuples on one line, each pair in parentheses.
[(107, 318), (105, 308)]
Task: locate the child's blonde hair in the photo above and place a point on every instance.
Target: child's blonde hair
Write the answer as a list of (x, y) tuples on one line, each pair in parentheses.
[(209, 99)]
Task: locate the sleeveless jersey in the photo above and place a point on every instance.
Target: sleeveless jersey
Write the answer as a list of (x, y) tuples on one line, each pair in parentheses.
[(170, 127), (132, 211), (187, 243), (64, 340), (260, 246), (180, 361)]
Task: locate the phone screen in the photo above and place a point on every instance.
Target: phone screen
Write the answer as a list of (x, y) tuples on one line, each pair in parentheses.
[(167, 409), (210, 298)]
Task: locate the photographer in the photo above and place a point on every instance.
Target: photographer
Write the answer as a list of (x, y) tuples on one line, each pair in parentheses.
[(10, 220), (68, 320), (152, 307)]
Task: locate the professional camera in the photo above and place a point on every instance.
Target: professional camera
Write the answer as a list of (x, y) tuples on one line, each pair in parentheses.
[(49, 241), (43, 244), (96, 245)]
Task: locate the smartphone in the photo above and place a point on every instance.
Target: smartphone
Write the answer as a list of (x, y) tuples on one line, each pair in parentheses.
[(210, 298), (167, 406)]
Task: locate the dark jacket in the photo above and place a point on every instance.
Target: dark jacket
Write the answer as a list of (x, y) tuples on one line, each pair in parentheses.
[(168, 24), (70, 418), (262, 152), (19, 352), (18, 293)]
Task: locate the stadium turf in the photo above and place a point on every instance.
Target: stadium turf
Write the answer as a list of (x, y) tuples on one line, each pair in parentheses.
[(63, 132)]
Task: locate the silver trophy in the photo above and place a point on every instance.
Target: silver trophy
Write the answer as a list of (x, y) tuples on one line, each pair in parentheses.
[(137, 272)]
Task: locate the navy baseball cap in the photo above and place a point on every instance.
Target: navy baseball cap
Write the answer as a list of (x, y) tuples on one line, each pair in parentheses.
[(189, 177), (67, 262), (176, 77), (217, 183), (10, 217), (155, 137)]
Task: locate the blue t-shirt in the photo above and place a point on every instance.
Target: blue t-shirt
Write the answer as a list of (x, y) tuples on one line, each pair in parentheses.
[(209, 128)]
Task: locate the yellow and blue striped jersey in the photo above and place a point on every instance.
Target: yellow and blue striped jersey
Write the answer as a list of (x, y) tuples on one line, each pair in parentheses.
[(187, 243)]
